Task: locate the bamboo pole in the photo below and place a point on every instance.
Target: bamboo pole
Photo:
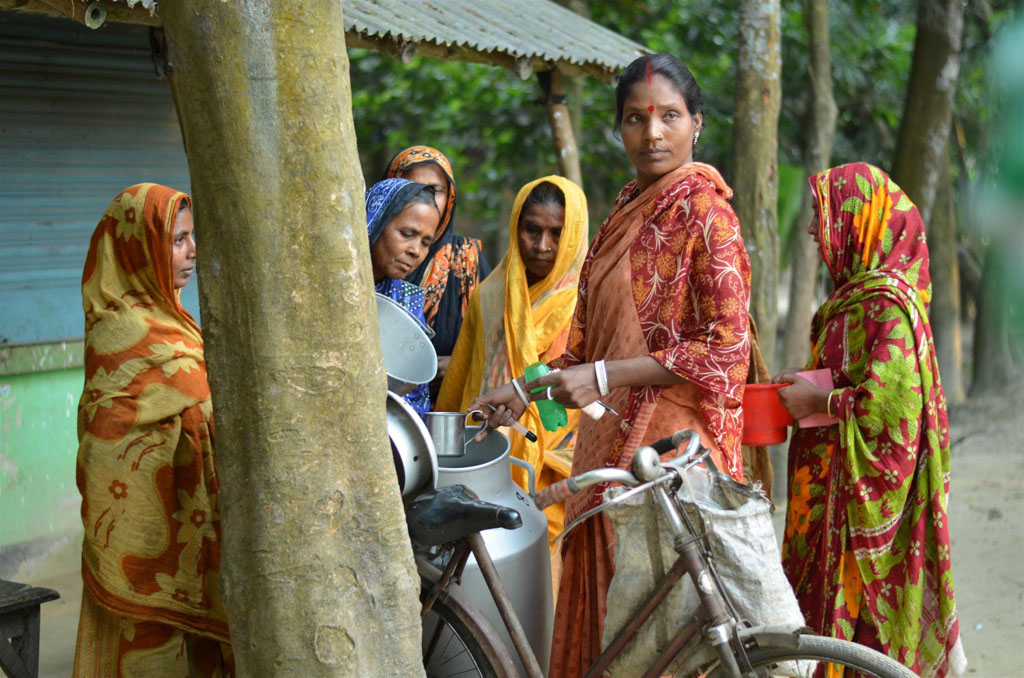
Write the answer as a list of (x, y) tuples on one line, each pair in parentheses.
[(567, 155)]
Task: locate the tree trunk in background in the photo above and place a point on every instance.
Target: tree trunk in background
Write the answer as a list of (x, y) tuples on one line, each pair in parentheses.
[(821, 125), (922, 164), (755, 159), (318, 573), (944, 313), (994, 363), (567, 154)]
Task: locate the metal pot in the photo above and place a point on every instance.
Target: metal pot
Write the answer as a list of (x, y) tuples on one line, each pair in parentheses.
[(411, 446), (521, 556), (448, 430), (409, 357)]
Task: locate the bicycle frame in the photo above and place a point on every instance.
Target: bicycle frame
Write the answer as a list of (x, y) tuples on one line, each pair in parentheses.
[(474, 544), (718, 613)]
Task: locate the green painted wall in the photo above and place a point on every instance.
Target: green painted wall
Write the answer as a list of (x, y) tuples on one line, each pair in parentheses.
[(39, 442)]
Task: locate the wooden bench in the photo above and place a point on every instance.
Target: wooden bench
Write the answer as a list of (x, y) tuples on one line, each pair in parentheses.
[(19, 627)]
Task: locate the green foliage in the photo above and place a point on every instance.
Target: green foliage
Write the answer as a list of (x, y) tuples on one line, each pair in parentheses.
[(494, 129), (792, 180)]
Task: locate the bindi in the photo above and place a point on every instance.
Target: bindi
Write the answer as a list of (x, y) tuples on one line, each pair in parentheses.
[(650, 109)]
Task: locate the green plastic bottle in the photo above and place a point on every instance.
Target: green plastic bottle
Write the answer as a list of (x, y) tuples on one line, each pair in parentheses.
[(552, 413)]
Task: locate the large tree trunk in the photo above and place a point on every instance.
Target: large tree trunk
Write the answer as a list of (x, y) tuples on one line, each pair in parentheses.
[(922, 164), (755, 159), (318, 574), (821, 124)]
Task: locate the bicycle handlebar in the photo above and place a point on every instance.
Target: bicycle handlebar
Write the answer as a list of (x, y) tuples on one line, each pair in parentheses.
[(564, 489)]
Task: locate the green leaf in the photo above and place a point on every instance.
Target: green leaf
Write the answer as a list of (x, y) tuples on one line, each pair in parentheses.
[(904, 204), (876, 174), (852, 205), (865, 186)]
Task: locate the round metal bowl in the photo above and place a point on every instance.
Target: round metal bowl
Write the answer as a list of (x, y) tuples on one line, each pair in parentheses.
[(411, 447), (409, 357)]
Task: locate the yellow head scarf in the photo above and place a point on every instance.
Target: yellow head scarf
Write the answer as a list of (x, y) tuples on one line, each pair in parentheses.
[(510, 324)]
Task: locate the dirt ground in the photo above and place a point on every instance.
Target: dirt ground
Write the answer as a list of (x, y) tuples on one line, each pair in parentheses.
[(986, 509), (986, 518)]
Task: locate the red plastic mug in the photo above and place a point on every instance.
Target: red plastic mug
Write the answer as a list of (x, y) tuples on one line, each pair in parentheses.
[(765, 420)]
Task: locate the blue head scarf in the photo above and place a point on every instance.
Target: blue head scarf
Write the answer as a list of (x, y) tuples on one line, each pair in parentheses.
[(384, 201)]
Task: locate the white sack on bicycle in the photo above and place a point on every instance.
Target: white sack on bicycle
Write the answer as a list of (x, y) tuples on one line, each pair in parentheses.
[(746, 557)]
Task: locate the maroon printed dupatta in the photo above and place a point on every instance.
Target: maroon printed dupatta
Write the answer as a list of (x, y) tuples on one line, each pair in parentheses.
[(867, 544)]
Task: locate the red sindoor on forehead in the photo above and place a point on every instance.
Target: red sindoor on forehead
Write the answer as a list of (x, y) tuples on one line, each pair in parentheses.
[(650, 109)]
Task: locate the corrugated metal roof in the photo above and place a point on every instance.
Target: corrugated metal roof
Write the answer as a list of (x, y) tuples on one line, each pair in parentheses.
[(531, 29), (524, 35)]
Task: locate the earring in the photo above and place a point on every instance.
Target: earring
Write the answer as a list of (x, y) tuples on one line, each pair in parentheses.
[(696, 137)]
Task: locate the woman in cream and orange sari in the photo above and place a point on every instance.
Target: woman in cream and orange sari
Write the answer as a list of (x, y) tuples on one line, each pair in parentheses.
[(521, 314), (151, 603)]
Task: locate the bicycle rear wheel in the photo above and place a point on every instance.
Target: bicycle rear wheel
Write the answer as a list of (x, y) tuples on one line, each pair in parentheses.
[(457, 638), (768, 650)]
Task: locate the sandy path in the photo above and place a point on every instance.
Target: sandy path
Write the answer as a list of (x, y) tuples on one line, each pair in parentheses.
[(986, 514)]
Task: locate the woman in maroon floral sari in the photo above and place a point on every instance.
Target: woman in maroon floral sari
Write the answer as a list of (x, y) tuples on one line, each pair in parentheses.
[(662, 307), (867, 535)]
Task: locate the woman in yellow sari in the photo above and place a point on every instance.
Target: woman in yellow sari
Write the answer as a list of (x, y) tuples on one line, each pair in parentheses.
[(520, 315)]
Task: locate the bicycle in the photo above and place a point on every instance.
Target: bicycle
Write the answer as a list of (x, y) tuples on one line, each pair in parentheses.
[(740, 650)]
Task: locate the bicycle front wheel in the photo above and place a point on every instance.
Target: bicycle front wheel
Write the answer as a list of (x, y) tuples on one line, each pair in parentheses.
[(767, 651), (457, 638)]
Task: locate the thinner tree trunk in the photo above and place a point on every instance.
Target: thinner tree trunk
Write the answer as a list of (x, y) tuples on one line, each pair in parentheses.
[(922, 166), (821, 124), (994, 362), (567, 154), (944, 267), (318, 576), (755, 160)]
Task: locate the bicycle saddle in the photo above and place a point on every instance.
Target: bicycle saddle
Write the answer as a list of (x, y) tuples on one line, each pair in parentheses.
[(451, 513)]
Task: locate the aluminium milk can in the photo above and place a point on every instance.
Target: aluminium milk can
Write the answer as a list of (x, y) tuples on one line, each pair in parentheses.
[(521, 556)]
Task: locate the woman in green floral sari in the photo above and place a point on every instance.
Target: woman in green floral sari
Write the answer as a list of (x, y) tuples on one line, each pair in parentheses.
[(866, 546)]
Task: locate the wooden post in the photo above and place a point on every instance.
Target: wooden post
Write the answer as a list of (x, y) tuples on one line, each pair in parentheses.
[(552, 83), (318, 573)]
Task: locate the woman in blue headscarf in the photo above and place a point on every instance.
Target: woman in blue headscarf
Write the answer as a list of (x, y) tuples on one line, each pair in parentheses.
[(401, 219)]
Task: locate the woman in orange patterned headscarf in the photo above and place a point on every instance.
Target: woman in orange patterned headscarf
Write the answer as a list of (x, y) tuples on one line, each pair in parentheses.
[(454, 266), (151, 604)]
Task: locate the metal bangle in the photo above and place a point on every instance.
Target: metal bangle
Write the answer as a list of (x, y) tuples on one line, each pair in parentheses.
[(521, 392), (601, 372), (828, 405)]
